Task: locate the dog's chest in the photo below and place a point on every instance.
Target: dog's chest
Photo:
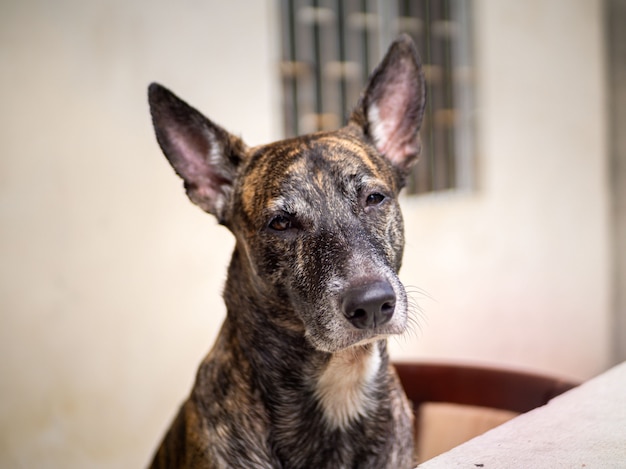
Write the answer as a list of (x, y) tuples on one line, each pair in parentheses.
[(344, 389)]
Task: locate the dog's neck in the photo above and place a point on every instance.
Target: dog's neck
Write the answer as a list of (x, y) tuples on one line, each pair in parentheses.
[(345, 388)]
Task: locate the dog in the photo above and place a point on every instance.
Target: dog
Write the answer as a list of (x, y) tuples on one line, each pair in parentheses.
[(299, 376)]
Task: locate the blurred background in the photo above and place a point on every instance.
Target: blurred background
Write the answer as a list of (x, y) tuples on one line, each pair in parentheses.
[(110, 278)]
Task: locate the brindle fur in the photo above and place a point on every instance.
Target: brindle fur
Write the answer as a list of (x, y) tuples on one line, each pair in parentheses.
[(293, 381)]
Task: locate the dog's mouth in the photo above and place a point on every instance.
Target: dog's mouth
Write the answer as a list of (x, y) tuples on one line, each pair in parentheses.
[(352, 337)]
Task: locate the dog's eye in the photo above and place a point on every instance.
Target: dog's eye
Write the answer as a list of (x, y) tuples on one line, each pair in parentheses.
[(374, 198), (280, 223)]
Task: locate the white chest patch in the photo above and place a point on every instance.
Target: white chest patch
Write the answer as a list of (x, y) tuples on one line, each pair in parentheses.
[(343, 388)]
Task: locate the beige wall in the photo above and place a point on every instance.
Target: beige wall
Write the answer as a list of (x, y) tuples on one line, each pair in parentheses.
[(110, 279)]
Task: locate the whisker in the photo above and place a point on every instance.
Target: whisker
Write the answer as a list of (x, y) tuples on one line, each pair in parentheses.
[(416, 316)]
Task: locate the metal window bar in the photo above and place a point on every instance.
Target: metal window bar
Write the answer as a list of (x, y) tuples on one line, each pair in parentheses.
[(331, 46)]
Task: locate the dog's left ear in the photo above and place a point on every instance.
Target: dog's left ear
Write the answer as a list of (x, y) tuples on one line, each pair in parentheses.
[(392, 106)]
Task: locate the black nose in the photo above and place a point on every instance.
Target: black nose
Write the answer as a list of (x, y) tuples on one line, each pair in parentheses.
[(369, 305)]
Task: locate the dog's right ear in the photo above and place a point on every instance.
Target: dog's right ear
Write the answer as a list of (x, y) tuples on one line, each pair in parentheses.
[(203, 154)]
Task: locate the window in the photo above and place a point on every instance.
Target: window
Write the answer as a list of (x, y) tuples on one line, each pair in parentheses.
[(331, 46)]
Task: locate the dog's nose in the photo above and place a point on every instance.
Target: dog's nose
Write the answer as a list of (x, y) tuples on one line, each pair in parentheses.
[(370, 305)]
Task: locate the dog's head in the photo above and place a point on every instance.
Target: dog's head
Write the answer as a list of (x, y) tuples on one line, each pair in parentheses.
[(316, 218)]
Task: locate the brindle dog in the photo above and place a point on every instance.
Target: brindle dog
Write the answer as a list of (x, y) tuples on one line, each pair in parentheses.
[(299, 376)]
